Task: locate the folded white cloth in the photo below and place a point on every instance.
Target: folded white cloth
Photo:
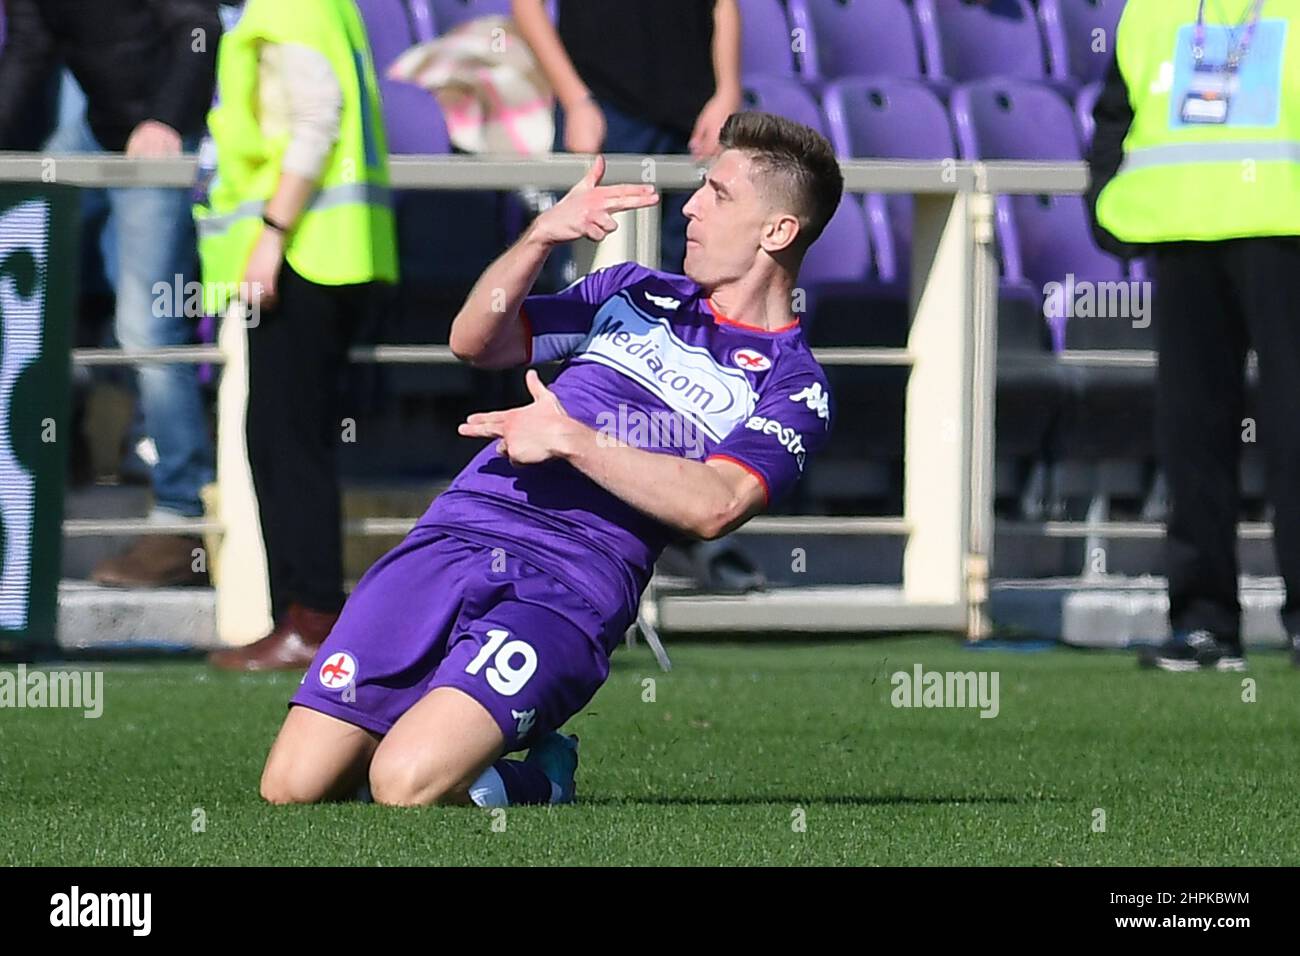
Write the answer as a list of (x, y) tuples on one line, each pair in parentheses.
[(493, 94)]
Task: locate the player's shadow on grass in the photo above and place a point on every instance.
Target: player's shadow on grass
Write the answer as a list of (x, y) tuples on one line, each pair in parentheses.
[(864, 800)]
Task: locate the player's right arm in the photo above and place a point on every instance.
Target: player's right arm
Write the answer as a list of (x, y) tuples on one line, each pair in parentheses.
[(487, 332)]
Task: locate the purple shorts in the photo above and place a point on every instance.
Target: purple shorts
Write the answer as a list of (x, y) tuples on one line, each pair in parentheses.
[(438, 611)]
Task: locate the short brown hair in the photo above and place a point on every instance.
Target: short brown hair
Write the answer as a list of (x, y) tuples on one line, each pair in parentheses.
[(795, 159)]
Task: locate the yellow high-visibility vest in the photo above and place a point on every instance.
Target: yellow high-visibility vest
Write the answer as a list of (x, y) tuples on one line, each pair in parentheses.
[(1206, 181), (345, 235)]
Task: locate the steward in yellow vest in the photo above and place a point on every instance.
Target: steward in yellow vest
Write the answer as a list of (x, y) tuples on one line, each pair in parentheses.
[(345, 234), (1196, 165)]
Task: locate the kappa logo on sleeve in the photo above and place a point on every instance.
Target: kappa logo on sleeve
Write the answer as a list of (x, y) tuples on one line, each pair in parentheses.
[(816, 399), (663, 301)]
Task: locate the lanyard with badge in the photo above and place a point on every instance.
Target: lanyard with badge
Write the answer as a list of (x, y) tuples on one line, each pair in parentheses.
[(1212, 85)]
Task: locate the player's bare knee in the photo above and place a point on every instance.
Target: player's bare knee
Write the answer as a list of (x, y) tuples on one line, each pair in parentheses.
[(396, 781), (392, 787), (282, 784)]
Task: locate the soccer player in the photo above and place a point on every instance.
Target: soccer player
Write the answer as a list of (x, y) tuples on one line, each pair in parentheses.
[(685, 405)]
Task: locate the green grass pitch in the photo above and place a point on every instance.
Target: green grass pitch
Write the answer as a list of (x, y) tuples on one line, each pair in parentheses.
[(741, 744)]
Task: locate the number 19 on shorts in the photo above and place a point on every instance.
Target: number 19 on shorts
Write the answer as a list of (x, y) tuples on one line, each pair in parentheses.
[(503, 676)]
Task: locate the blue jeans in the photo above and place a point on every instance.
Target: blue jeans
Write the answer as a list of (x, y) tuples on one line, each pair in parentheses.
[(152, 232), (625, 133)]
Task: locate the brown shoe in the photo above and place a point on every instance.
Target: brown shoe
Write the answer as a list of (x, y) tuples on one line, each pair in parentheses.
[(153, 561), (290, 646)]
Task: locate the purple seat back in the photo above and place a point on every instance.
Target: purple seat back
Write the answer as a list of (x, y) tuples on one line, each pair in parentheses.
[(968, 41), (421, 16), (766, 46), (1056, 238), (887, 118), (784, 97), (413, 119), (388, 30), (452, 13), (842, 252), (1043, 238), (856, 38), (1083, 106), (1013, 119), (883, 118), (1072, 25)]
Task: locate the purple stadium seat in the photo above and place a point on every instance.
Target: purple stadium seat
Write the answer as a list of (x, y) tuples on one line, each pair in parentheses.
[(784, 97), (883, 118), (842, 252), (1083, 106), (1043, 237), (413, 119), (423, 25), (388, 29), (887, 118), (967, 41), (856, 38), (766, 46), (434, 256), (452, 13), (1072, 26), (1013, 119), (842, 309)]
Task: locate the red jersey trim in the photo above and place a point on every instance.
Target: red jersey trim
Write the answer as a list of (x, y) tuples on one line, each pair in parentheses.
[(767, 493), (721, 319)]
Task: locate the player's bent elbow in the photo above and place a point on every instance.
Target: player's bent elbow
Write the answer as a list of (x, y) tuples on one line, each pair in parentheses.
[(462, 349), (718, 521), (485, 355)]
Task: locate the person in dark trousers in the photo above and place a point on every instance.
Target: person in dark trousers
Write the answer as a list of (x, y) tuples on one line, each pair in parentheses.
[(1194, 164), (146, 67)]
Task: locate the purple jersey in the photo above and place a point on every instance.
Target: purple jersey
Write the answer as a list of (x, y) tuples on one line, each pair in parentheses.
[(649, 363)]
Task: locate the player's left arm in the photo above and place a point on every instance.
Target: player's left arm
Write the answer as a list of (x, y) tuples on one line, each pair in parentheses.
[(705, 499), (753, 466)]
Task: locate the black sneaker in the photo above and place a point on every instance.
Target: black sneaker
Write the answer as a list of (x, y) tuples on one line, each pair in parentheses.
[(1194, 651), (1295, 650)]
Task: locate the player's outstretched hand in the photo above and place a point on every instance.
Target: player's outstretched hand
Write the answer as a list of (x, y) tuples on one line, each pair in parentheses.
[(529, 434), (588, 208)]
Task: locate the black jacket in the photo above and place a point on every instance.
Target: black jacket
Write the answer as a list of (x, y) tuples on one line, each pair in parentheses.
[(135, 59), (1113, 115)]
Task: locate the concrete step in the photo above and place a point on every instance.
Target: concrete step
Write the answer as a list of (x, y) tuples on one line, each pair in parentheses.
[(1114, 611), (92, 617)]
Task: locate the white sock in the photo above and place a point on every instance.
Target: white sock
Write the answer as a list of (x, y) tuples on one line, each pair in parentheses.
[(489, 790)]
